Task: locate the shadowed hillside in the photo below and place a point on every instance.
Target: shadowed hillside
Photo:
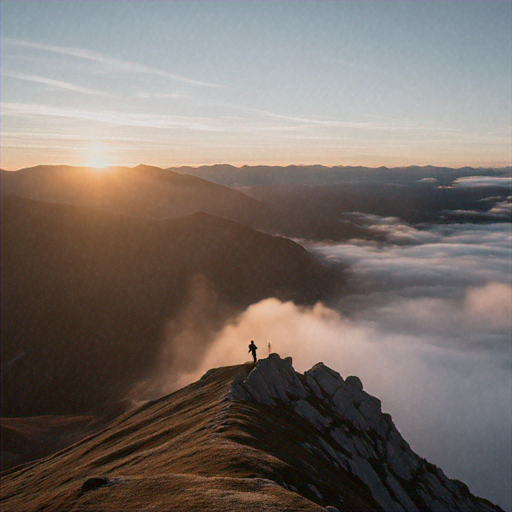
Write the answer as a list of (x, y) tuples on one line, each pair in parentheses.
[(26, 439), (87, 295), (248, 437)]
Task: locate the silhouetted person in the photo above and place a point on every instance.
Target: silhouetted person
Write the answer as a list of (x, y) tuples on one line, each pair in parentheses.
[(252, 349)]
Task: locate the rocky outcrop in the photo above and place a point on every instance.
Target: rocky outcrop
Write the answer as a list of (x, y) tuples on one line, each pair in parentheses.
[(353, 434)]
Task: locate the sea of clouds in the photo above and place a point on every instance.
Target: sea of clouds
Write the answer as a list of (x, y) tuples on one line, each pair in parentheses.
[(424, 321)]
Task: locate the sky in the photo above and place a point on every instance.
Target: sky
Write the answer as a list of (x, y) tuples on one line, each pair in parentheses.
[(172, 83), (429, 338)]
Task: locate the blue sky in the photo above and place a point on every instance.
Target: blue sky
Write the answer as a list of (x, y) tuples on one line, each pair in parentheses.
[(248, 82)]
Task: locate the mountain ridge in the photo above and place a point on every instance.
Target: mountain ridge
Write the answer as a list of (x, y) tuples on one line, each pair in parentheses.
[(248, 437)]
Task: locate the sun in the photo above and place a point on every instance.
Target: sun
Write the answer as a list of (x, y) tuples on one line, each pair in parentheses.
[(98, 156)]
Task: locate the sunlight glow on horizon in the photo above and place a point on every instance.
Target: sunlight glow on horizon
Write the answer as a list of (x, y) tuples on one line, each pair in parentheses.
[(98, 157)]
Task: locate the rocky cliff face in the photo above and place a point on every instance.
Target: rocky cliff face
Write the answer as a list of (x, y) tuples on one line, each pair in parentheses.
[(353, 434)]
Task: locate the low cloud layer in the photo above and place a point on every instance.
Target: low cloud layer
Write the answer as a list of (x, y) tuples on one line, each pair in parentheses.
[(483, 181)]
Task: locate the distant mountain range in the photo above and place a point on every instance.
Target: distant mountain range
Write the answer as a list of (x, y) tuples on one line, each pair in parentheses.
[(415, 194), (87, 295), (244, 438), (263, 175)]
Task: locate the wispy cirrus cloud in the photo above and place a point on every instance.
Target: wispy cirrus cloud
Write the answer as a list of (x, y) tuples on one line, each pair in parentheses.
[(160, 95), (150, 120), (100, 58), (69, 136), (114, 118), (329, 122), (54, 83)]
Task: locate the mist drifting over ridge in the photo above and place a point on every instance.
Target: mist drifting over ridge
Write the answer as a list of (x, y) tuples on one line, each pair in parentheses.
[(426, 324)]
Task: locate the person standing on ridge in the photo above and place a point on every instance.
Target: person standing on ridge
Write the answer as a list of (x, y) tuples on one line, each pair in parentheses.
[(252, 349)]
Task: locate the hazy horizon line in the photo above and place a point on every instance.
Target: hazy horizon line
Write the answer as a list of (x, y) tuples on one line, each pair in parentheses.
[(282, 166)]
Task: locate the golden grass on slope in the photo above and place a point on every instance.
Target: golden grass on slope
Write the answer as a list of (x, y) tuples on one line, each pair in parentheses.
[(151, 440), (187, 493), (190, 451)]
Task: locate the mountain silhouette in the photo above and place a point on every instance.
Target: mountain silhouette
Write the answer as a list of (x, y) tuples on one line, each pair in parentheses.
[(304, 175), (243, 438)]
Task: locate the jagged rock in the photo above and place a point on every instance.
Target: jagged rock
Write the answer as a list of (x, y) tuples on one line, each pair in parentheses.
[(344, 405), (271, 380), (363, 469), (308, 412), (354, 384), (355, 435), (327, 380), (369, 407), (400, 494), (401, 462), (311, 382)]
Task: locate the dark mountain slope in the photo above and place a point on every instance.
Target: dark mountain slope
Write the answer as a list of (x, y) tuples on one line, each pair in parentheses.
[(151, 192), (142, 191), (249, 437), (26, 439), (87, 295)]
